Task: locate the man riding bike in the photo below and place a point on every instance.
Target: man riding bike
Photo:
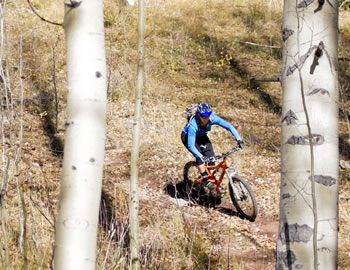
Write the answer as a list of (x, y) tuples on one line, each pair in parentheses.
[(194, 137)]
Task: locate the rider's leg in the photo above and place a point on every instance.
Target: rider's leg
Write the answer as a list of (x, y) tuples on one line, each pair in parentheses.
[(206, 148), (202, 168)]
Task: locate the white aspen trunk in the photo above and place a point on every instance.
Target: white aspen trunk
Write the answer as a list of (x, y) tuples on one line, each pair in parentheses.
[(134, 193), (77, 222), (308, 228)]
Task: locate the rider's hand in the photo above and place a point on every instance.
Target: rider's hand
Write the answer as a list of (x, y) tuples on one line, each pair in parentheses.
[(204, 159), (240, 144)]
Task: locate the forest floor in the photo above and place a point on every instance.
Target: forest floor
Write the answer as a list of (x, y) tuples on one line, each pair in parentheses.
[(199, 50)]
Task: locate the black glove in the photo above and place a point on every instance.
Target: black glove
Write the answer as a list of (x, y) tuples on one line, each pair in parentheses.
[(240, 144), (204, 159)]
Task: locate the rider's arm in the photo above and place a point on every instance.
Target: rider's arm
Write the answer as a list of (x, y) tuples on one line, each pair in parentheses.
[(216, 120), (191, 140)]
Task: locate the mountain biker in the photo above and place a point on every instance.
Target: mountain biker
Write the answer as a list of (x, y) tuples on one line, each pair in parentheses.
[(194, 137)]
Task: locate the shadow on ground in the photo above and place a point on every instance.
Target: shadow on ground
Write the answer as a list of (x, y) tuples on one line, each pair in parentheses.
[(117, 230), (46, 103), (199, 197)]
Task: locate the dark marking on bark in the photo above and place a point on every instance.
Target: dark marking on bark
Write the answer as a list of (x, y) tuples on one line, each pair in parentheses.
[(67, 124), (291, 69), (299, 266), (92, 160), (324, 249), (317, 139), (322, 48), (301, 61), (288, 258), (305, 3), (286, 33), (73, 4), (322, 91), (290, 118), (319, 50), (98, 74), (295, 233), (286, 196), (324, 180), (74, 168), (318, 54), (330, 4), (320, 6)]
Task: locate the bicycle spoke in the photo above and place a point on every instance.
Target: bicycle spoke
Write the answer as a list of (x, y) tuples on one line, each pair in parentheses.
[(243, 198)]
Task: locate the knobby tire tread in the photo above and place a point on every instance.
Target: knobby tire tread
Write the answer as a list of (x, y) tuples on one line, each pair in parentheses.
[(250, 217), (198, 195)]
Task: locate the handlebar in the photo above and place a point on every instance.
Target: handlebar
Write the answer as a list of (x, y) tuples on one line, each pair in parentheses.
[(224, 155)]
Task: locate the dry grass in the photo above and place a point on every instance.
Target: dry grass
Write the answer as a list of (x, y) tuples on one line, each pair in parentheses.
[(194, 52)]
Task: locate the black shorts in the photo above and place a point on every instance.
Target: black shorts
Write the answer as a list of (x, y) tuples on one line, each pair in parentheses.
[(203, 145)]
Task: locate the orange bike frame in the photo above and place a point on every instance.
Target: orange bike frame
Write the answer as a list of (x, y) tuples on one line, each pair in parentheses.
[(224, 164)]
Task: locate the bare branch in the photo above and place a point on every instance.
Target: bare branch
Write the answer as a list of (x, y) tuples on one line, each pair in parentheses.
[(41, 211), (256, 44), (43, 19), (344, 3), (345, 59)]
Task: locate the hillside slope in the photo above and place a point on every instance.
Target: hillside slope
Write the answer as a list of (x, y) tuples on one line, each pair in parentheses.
[(195, 51)]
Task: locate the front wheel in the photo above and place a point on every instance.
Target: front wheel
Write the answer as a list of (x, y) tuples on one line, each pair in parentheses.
[(243, 198)]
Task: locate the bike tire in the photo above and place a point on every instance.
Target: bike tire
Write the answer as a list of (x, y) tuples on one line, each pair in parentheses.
[(197, 193), (246, 207), (191, 173)]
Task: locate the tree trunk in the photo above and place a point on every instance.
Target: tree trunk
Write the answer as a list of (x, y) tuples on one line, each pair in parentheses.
[(134, 195), (76, 226), (309, 142)]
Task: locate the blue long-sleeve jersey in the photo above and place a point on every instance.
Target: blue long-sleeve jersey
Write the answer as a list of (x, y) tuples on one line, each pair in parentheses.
[(194, 131)]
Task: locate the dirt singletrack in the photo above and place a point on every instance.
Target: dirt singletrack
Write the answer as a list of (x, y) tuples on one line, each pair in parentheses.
[(250, 244)]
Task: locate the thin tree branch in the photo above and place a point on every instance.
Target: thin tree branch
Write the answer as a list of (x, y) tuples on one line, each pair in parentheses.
[(256, 44), (41, 212), (312, 171), (134, 177), (54, 84), (312, 158), (43, 19), (345, 59), (344, 3)]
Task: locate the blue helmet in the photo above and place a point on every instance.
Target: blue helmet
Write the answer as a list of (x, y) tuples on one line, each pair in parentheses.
[(204, 109)]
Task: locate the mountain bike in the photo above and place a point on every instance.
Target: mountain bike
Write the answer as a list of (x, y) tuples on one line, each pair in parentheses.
[(240, 191)]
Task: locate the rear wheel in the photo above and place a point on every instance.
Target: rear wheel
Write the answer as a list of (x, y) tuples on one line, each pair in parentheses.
[(243, 198), (191, 174), (194, 190)]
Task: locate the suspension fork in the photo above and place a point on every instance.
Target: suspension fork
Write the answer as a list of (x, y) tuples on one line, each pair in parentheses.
[(231, 172)]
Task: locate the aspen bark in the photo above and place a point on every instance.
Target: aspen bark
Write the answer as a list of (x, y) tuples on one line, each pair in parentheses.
[(308, 236), (134, 194), (77, 222)]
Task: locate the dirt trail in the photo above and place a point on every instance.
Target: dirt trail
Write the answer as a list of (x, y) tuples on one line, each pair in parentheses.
[(251, 243)]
